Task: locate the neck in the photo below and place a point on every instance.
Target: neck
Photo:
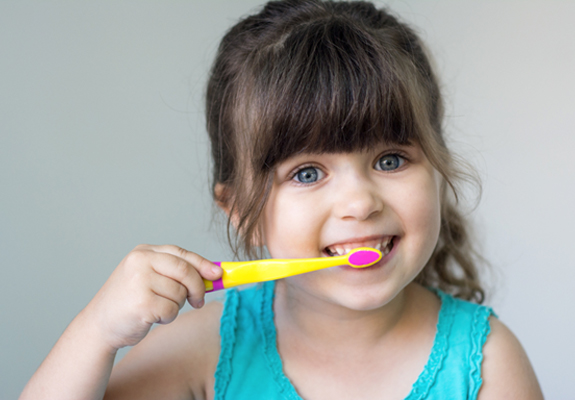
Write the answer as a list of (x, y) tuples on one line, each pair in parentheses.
[(321, 324)]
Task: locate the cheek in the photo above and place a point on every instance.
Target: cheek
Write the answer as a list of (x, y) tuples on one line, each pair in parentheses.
[(290, 227), (421, 211)]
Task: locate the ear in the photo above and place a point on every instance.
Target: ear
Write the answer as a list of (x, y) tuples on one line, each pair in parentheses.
[(223, 197)]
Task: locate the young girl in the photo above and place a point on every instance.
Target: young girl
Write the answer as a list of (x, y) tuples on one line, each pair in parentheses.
[(325, 120)]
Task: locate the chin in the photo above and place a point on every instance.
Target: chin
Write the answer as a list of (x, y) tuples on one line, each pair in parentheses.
[(361, 299)]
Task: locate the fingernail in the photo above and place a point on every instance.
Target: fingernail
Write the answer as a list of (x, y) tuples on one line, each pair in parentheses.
[(216, 270), (200, 303)]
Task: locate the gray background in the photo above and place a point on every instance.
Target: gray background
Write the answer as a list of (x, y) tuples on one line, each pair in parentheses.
[(102, 147)]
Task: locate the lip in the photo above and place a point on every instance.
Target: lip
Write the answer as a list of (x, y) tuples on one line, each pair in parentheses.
[(365, 241), (359, 240)]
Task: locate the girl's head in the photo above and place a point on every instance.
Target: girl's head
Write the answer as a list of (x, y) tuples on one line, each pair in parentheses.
[(310, 76)]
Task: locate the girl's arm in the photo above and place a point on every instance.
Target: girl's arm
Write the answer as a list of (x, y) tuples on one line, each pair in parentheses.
[(78, 366), (177, 361), (149, 286), (506, 370)]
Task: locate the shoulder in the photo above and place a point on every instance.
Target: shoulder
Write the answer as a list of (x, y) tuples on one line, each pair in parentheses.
[(177, 360), (506, 370)]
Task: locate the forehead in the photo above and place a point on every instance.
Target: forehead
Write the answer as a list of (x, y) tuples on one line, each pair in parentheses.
[(287, 141), (371, 151), (342, 91), (318, 125)]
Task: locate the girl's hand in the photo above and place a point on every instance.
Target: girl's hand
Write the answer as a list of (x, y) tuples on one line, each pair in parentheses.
[(150, 285)]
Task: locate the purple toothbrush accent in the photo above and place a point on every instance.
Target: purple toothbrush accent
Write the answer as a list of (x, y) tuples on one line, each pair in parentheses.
[(363, 257), (219, 284)]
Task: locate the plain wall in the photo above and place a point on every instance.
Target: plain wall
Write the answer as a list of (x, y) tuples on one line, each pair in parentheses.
[(103, 147)]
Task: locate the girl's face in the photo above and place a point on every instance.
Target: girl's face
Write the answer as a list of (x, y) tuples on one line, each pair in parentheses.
[(326, 204)]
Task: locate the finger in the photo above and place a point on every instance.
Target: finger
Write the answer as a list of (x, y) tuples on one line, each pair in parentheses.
[(162, 310), (169, 289), (206, 268), (181, 271)]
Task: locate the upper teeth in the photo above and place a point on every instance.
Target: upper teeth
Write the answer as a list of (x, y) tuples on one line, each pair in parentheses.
[(384, 246)]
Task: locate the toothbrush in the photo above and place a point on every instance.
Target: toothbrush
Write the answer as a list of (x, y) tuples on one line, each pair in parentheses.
[(242, 272)]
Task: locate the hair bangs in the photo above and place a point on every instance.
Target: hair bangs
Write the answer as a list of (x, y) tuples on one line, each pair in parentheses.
[(328, 87)]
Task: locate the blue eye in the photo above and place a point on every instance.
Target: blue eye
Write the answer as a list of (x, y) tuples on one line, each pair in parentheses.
[(308, 175), (389, 162)]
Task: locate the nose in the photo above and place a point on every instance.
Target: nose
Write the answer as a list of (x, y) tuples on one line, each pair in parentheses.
[(357, 198)]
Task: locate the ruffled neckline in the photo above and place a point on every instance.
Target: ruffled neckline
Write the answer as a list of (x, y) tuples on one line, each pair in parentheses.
[(420, 388)]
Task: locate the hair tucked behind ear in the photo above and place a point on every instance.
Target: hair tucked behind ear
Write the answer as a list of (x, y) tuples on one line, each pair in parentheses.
[(453, 266), (323, 76)]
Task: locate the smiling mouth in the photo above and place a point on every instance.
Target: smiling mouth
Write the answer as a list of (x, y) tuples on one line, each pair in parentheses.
[(384, 245)]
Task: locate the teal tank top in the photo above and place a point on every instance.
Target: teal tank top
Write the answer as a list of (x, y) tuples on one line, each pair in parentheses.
[(250, 367)]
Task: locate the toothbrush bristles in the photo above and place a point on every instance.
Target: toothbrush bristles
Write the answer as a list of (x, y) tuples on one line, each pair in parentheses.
[(363, 257)]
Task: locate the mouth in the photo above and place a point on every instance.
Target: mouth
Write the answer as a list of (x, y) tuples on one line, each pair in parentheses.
[(384, 244)]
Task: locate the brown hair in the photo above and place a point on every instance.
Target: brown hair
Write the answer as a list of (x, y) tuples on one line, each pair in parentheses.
[(322, 76)]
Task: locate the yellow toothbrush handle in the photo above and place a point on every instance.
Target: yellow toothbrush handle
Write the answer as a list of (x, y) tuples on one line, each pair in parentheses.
[(243, 272)]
